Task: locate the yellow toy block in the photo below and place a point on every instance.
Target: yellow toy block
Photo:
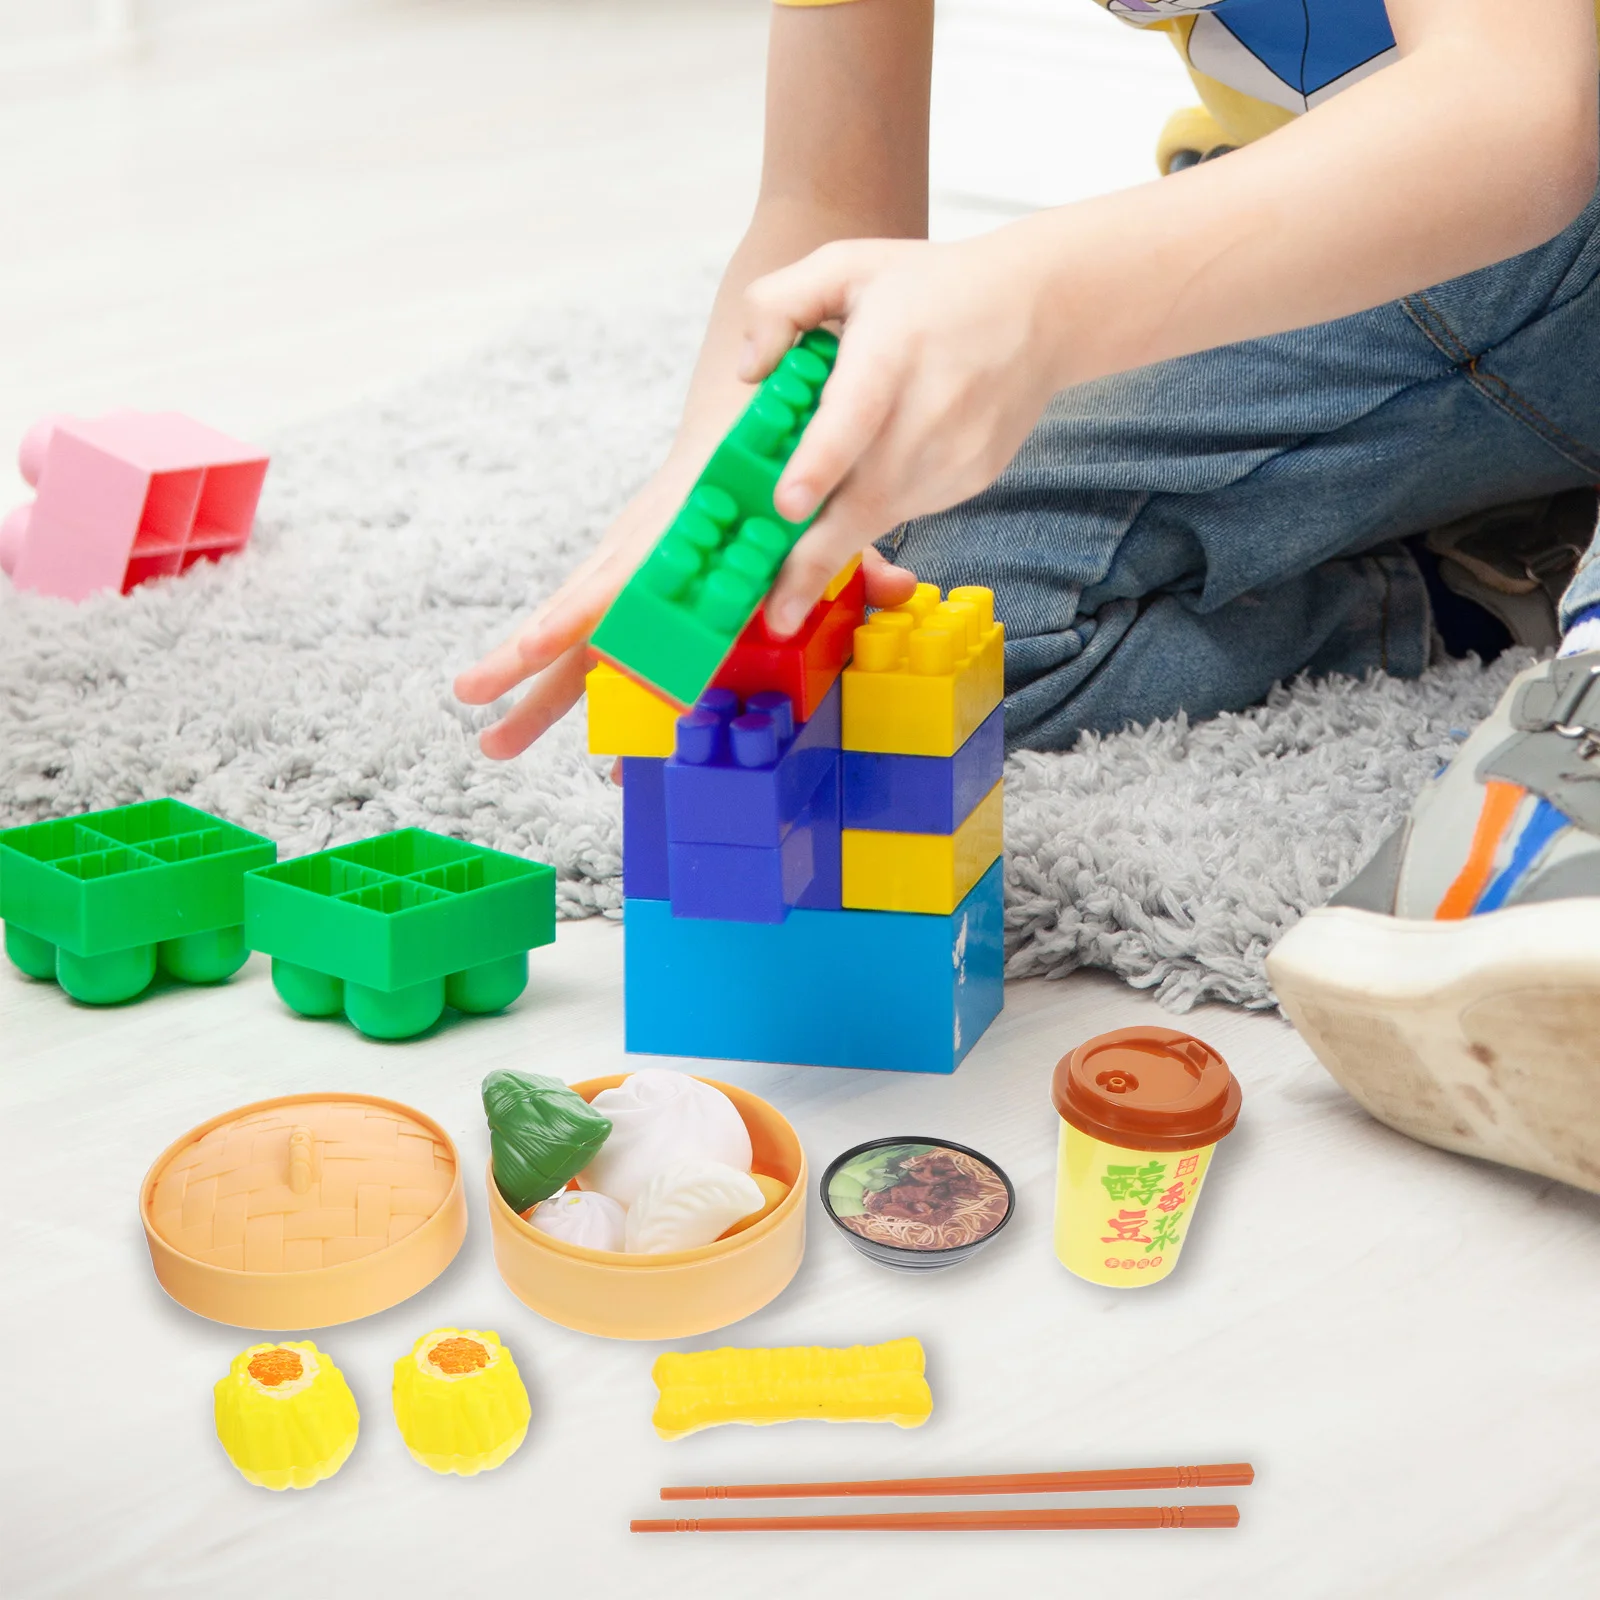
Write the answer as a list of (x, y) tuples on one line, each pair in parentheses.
[(928, 872), (625, 718), (840, 579), (866, 1383), (925, 674)]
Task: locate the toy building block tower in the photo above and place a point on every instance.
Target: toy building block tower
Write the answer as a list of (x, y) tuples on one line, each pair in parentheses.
[(124, 498), (811, 853)]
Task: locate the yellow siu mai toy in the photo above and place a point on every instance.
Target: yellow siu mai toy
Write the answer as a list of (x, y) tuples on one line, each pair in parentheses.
[(459, 1401), (285, 1415)]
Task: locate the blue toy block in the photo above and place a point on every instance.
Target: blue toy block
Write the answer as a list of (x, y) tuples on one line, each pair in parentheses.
[(893, 990), (644, 828), (743, 776), (923, 794), (825, 892), (740, 882), (746, 883)]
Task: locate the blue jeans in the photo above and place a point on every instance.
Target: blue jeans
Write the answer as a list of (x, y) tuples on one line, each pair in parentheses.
[(1181, 537)]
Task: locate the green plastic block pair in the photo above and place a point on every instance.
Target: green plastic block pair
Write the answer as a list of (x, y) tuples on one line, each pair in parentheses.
[(680, 614), (389, 931), (392, 930)]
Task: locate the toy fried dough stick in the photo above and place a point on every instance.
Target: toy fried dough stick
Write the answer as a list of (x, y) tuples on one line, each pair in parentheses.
[(865, 1383), (1207, 1477), (953, 1521)]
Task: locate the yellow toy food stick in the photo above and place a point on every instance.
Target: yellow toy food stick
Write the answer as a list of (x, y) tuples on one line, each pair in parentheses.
[(866, 1383), (459, 1401), (285, 1415)]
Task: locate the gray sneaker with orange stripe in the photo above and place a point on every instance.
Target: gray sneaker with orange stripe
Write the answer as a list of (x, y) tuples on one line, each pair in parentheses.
[(1453, 986)]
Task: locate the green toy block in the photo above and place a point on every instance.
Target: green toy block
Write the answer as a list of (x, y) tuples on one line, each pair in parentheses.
[(393, 929), (679, 615), (98, 902)]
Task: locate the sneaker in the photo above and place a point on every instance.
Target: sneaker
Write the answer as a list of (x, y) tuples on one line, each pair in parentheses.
[(1453, 986)]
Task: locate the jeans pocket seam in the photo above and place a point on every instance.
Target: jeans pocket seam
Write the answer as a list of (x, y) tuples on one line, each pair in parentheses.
[(1495, 389)]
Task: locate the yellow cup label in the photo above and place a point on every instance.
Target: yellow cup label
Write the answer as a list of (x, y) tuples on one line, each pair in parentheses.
[(1121, 1215)]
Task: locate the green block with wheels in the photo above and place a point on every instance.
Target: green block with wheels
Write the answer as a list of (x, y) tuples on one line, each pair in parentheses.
[(681, 613), (98, 902), (392, 930)]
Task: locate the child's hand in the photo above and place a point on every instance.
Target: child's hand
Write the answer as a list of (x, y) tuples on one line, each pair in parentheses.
[(943, 370), (552, 646)]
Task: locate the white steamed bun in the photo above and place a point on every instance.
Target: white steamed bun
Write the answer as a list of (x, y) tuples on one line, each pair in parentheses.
[(658, 1119), (594, 1221), (688, 1205)]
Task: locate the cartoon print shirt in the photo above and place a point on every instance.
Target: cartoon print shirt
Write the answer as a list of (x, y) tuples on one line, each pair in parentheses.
[(1290, 53)]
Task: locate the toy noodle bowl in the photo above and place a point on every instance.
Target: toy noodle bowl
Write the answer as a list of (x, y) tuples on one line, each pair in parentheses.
[(916, 1203)]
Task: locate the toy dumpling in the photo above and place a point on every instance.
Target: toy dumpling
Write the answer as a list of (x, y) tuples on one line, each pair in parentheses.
[(540, 1135), (581, 1216), (285, 1415), (689, 1205), (659, 1119), (459, 1401)]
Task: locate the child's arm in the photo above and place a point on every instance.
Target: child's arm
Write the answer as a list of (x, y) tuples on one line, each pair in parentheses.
[(1477, 144), (846, 156)]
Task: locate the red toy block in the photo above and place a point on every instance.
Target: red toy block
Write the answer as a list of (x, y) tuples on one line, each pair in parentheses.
[(127, 497), (805, 666)]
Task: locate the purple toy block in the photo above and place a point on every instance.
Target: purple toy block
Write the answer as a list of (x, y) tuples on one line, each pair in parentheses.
[(742, 777), (740, 882), (644, 828), (821, 820), (747, 883), (922, 794), (127, 497)]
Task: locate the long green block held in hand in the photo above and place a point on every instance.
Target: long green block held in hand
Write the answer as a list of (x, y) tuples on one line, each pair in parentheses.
[(679, 615), (98, 902)]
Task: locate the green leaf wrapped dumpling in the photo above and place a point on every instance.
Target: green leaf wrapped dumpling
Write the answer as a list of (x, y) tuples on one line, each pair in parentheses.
[(540, 1135)]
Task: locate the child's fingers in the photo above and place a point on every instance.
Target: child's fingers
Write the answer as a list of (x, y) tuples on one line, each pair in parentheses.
[(784, 304), (847, 525), (567, 617), (886, 584), (856, 405), (545, 704)]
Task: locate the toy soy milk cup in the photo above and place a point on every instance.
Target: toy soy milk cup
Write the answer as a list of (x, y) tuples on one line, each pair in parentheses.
[(1141, 1111)]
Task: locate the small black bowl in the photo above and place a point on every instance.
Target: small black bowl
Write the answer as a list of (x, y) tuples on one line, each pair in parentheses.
[(909, 1236)]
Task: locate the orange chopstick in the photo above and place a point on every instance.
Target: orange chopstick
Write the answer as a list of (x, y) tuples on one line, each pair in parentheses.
[(1102, 1517), (1217, 1476)]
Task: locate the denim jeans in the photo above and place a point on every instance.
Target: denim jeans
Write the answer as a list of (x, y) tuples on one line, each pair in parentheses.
[(1181, 537)]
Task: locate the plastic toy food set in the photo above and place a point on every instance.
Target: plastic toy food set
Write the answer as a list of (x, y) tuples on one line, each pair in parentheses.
[(797, 813)]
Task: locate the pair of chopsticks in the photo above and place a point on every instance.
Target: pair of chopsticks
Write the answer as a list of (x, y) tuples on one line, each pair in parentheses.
[(1206, 1477)]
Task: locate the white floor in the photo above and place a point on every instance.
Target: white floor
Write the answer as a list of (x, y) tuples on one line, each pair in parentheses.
[(259, 225)]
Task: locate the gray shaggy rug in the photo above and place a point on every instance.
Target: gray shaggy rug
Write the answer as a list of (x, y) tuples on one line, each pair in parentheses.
[(302, 689)]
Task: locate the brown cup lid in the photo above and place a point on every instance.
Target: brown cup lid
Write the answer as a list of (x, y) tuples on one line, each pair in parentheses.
[(1147, 1089)]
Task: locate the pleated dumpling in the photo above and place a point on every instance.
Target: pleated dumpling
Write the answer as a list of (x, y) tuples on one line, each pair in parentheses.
[(689, 1205), (658, 1120), (581, 1216), (285, 1415)]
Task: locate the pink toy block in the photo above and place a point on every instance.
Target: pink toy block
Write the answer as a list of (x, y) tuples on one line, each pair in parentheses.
[(124, 498)]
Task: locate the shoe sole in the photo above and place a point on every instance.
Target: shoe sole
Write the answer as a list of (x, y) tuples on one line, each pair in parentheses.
[(1480, 1036)]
